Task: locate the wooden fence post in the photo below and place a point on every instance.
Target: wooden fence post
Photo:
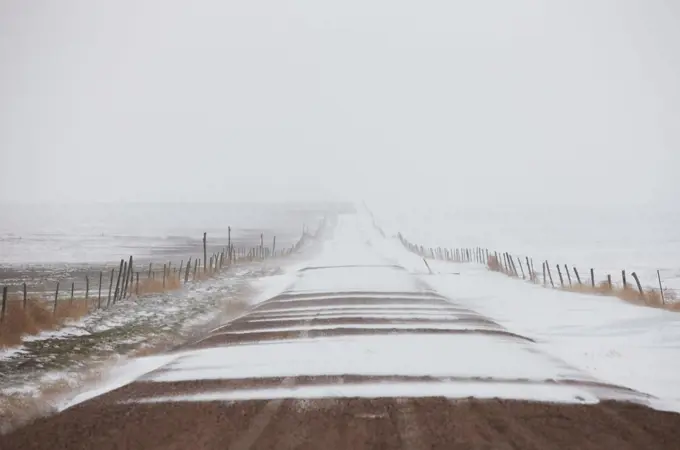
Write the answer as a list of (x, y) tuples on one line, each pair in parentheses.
[(122, 276), (609, 282), (428, 266), (578, 277), (566, 270), (623, 277), (205, 250), (514, 267), (547, 265), (120, 272), (56, 298), (99, 298), (663, 299), (521, 267), (4, 304), (531, 272), (149, 276), (637, 281), (87, 288), (128, 278), (137, 287), (25, 296), (73, 287), (592, 277), (559, 272), (229, 247), (181, 265), (165, 269), (198, 263), (186, 274), (544, 283), (108, 300)]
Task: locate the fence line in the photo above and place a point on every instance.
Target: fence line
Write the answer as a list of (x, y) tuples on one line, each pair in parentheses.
[(506, 263), (128, 281)]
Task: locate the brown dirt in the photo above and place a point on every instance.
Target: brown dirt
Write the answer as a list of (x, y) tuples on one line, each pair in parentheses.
[(117, 420), (251, 338), (427, 423)]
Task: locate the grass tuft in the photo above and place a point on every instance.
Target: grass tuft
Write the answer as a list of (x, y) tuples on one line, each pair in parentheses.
[(155, 286), (650, 297), (39, 315)]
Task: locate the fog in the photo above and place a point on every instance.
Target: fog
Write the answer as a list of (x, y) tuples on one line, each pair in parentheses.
[(476, 102)]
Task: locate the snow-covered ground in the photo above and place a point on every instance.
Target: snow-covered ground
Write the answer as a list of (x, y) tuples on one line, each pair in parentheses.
[(577, 338), (613, 341), (610, 339), (39, 234), (100, 348), (606, 238)]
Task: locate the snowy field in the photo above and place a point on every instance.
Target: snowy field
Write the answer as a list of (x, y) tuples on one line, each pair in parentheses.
[(104, 233), (608, 239), (600, 341)]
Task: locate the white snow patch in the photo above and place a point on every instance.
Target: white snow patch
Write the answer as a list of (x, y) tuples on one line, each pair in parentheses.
[(119, 376), (348, 279), (536, 392), (368, 315), (62, 332), (388, 326), (396, 354)]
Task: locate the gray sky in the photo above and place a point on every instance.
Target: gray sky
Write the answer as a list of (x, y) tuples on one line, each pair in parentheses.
[(462, 102)]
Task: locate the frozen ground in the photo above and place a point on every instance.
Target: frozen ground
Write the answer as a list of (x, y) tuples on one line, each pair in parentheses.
[(36, 374), (49, 234), (576, 338), (606, 238), (610, 339), (358, 316), (357, 334)]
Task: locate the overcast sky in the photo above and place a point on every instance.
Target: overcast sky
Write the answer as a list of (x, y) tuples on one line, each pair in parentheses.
[(462, 102)]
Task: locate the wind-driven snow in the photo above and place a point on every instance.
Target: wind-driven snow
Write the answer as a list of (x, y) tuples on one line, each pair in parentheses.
[(585, 347)]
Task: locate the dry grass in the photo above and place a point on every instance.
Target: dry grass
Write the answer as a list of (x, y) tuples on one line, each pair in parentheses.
[(651, 297), (38, 316), (155, 286), (494, 264), (630, 294)]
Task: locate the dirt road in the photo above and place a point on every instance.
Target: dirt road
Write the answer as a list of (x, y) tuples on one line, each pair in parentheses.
[(359, 356)]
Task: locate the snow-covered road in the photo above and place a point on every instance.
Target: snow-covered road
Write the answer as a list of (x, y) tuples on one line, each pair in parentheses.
[(358, 322)]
